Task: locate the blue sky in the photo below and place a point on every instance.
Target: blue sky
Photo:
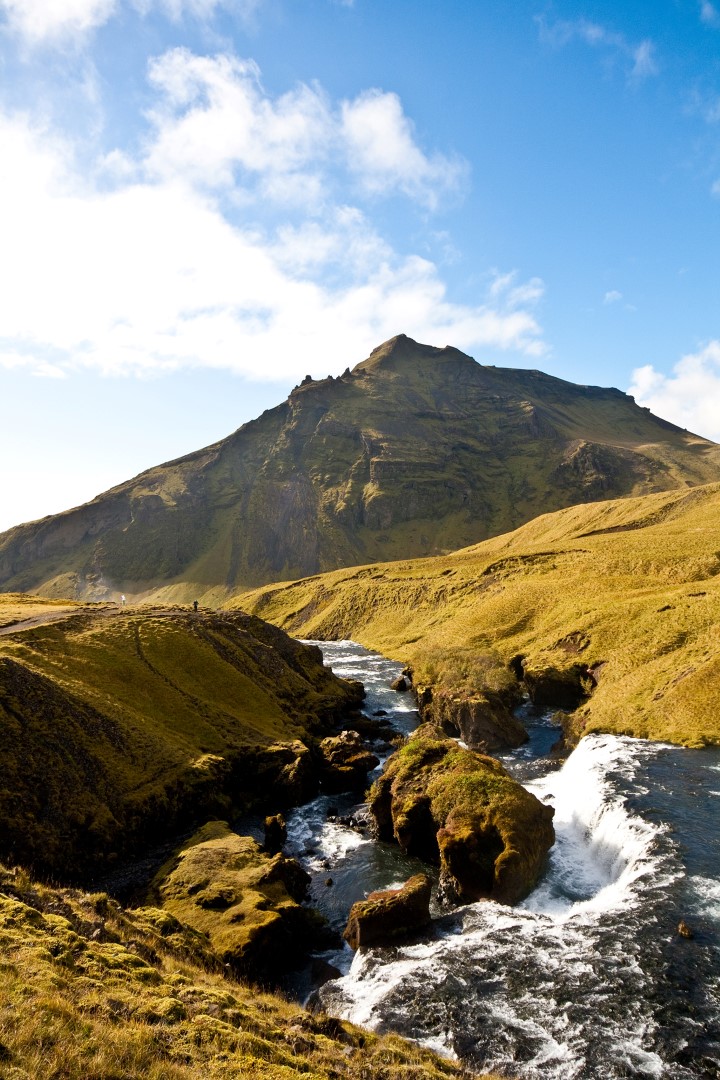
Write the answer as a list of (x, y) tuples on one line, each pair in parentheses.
[(202, 201)]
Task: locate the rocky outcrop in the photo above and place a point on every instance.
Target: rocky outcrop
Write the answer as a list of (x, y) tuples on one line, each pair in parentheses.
[(560, 688), (247, 902), (463, 811), (346, 762), (481, 719), (275, 834), (385, 917)]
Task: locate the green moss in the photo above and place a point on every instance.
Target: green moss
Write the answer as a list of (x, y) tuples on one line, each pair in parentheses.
[(438, 800), (104, 1016)]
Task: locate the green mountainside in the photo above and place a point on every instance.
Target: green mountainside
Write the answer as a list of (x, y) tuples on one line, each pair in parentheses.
[(608, 610), (416, 451)]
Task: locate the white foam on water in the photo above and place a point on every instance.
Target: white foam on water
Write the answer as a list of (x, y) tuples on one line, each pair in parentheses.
[(707, 891), (604, 860), (601, 851)]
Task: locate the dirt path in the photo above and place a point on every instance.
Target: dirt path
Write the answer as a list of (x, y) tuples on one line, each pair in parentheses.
[(56, 616), (112, 611)]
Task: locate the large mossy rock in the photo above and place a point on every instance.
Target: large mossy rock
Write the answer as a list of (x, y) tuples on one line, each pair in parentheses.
[(247, 902), (463, 811), (483, 720), (385, 917), (346, 762)]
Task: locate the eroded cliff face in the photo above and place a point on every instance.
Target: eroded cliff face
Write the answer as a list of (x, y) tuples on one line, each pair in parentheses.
[(416, 451)]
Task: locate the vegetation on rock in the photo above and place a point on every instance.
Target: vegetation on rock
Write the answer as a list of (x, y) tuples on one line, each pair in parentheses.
[(609, 609), (416, 451), (91, 990), (119, 728), (462, 810), (246, 902)]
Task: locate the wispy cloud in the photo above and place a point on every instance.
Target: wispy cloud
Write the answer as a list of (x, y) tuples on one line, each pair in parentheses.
[(690, 397), (639, 58), (709, 14), (612, 297)]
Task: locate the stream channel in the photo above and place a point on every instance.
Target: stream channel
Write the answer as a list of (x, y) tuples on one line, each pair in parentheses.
[(588, 977)]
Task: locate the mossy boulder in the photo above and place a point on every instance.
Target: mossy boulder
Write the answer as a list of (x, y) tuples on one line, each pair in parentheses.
[(385, 917), (346, 762), (482, 719), (463, 811), (246, 901)]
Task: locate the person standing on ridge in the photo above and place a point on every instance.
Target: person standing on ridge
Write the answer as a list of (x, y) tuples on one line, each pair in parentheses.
[(195, 605)]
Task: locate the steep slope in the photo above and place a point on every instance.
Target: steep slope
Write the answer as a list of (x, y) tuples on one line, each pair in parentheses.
[(417, 451), (90, 990), (121, 727), (612, 607)]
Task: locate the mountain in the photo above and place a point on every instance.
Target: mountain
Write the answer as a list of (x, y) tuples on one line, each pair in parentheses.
[(608, 611), (416, 451)]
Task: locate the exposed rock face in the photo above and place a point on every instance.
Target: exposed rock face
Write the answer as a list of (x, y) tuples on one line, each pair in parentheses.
[(346, 762), (561, 688), (385, 917), (463, 811), (417, 451), (246, 901), (483, 720), (275, 834)]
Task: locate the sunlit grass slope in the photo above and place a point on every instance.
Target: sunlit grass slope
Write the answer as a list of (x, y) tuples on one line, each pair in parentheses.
[(88, 990), (628, 588), (117, 728)]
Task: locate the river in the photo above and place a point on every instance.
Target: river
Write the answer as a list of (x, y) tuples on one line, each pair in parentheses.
[(588, 978)]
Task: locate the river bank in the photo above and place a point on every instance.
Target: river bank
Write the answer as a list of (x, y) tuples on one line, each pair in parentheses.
[(588, 978)]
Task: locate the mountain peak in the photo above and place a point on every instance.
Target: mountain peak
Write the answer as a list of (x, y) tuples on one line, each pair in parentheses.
[(402, 352)]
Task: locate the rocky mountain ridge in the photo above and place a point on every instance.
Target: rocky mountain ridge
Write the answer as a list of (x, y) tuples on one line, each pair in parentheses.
[(416, 451)]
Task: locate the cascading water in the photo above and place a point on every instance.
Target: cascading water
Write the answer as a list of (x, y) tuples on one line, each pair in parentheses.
[(588, 978)]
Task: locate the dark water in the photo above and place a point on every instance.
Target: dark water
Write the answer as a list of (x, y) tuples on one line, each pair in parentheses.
[(588, 978)]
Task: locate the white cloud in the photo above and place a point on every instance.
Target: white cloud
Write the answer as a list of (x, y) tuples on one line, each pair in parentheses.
[(55, 21), (639, 58), (214, 118), (152, 275), (612, 297), (690, 397), (215, 122), (40, 20), (382, 151), (715, 189)]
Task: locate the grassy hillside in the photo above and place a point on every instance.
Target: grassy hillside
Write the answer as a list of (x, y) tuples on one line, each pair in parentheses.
[(623, 596), (119, 727), (89, 990), (416, 451)]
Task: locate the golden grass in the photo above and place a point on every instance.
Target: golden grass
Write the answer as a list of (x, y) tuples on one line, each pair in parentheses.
[(88, 990), (629, 588), (120, 727), (17, 607)]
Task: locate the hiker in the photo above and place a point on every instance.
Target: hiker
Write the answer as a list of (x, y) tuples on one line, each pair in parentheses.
[(122, 599), (195, 605)]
